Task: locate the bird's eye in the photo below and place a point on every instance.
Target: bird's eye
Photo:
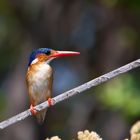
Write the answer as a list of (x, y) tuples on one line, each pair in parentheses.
[(48, 52)]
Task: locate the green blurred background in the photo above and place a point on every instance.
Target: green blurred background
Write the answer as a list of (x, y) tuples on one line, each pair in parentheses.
[(106, 32)]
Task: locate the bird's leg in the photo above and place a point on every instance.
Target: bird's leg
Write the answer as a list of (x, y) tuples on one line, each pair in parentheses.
[(50, 102), (33, 110)]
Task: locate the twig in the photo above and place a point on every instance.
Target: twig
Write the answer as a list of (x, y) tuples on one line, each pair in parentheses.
[(72, 92)]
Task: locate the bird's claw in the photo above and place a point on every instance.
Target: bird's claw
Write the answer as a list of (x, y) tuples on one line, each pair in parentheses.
[(33, 110), (50, 101)]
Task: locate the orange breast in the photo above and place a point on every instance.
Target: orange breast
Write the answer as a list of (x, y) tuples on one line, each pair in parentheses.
[(39, 82)]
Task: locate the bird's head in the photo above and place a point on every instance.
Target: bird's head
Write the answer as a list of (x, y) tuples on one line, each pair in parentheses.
[(46, 55)]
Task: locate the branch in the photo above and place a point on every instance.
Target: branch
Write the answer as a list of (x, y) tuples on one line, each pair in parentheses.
[(72, 92)]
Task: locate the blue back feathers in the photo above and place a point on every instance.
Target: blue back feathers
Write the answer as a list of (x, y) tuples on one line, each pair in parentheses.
[(38, 51)]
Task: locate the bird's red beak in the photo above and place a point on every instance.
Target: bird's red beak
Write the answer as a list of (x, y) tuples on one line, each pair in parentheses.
[(64, 53)]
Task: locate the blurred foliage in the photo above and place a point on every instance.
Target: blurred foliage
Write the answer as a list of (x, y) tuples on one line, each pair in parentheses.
[(122, 93), (131, 5), (134, 5)]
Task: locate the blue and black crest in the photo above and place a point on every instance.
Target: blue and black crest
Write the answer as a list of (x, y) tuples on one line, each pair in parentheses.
[(33, 55)]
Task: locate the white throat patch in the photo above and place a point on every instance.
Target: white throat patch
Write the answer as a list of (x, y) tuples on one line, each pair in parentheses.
[(34, 61), (48, 61)]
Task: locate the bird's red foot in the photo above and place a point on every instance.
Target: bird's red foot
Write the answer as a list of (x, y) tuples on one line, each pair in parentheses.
[(50, 102), (33, 110)]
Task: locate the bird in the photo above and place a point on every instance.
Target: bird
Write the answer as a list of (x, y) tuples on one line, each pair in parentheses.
[(39, 78)]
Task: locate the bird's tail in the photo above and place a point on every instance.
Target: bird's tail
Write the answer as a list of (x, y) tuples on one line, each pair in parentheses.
[(41, 116)]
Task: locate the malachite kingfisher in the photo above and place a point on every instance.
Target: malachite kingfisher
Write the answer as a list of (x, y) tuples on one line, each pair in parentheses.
[(39, 78)]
